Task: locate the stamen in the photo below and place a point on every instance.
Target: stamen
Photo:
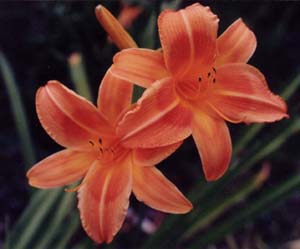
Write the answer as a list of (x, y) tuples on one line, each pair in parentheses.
[(70, 190), (208, 75), (91, 142), (214, 80), (100, 141), (199, 79), (214, 70), (101, 150)]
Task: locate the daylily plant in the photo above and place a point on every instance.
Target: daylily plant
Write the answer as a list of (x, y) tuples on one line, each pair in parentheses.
[(94, 152), (195, 84)]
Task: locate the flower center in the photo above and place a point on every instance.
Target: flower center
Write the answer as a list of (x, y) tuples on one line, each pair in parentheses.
[(108, 151), (195, 87)]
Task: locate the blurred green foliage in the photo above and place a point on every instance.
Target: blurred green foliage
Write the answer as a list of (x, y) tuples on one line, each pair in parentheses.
[(50, 32)]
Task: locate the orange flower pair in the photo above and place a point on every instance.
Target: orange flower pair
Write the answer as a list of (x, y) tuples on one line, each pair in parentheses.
[(193, 86)]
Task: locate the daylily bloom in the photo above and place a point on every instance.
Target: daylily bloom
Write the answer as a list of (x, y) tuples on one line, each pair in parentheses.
[(197, 83), (94, 152)]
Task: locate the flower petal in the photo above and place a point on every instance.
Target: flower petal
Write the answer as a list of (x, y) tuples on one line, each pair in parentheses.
[(241, 94), (152, 156), (236, 44), (156, 120), (60, 169), (139, 66), (188, 38), (114, 96), (104, 199), (68, 118), (213, 141), (155, 190)]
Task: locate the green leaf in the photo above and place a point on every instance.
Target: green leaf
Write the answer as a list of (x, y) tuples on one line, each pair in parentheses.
[(264, 203), (31, 221), (166, 235), (18, 111), (79, 77), (64, 208), (252, 131)]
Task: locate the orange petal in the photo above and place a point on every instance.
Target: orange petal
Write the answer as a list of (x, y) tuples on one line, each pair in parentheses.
[(213, 141), (114, 96), (114, 29), (156, 120), (241, 94), (236, 44), (68, 118), (60, 169), (154, 189), (188, 38), (152, 156), (139, 66), (104, 199)]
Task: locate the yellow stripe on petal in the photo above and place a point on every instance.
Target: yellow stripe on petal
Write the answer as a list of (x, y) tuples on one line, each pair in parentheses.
[(104, 199), (61, 168), (213, 141)]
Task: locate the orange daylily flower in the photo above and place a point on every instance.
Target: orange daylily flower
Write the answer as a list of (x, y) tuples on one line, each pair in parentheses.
[(197, 83), (94, 152)]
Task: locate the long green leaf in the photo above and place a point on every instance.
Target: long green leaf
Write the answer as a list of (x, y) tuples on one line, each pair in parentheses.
[(79, 76), (220, 206), (64, 208), (166, 235), (18, 111), (268, 200), (72, 226), (32, 225), (252, 131)]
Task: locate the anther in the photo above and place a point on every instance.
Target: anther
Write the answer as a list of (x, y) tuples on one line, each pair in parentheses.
[(100, 141), (214, 80), (208, 75), (91, 142), (101, 150), (199, 79), (214, 70)]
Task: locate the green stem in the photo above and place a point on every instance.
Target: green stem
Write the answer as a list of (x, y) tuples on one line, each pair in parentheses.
[(252, 131), (24, 237), (268, 200), (72, 226), (79, 77), (223, 205), (167, 234), (64, 207), (18, 111)]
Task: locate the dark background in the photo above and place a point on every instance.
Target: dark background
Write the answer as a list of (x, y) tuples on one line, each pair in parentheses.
[(38, 37)]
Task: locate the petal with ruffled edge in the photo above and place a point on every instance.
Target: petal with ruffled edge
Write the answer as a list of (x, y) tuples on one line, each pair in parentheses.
[(68, 118), (241, 94), (152, 156), (155, 190), (213, 141), (60, 169), (139, 66), (236, 44), (114, 96), (104, 199), (157, 119), (188, 38)]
